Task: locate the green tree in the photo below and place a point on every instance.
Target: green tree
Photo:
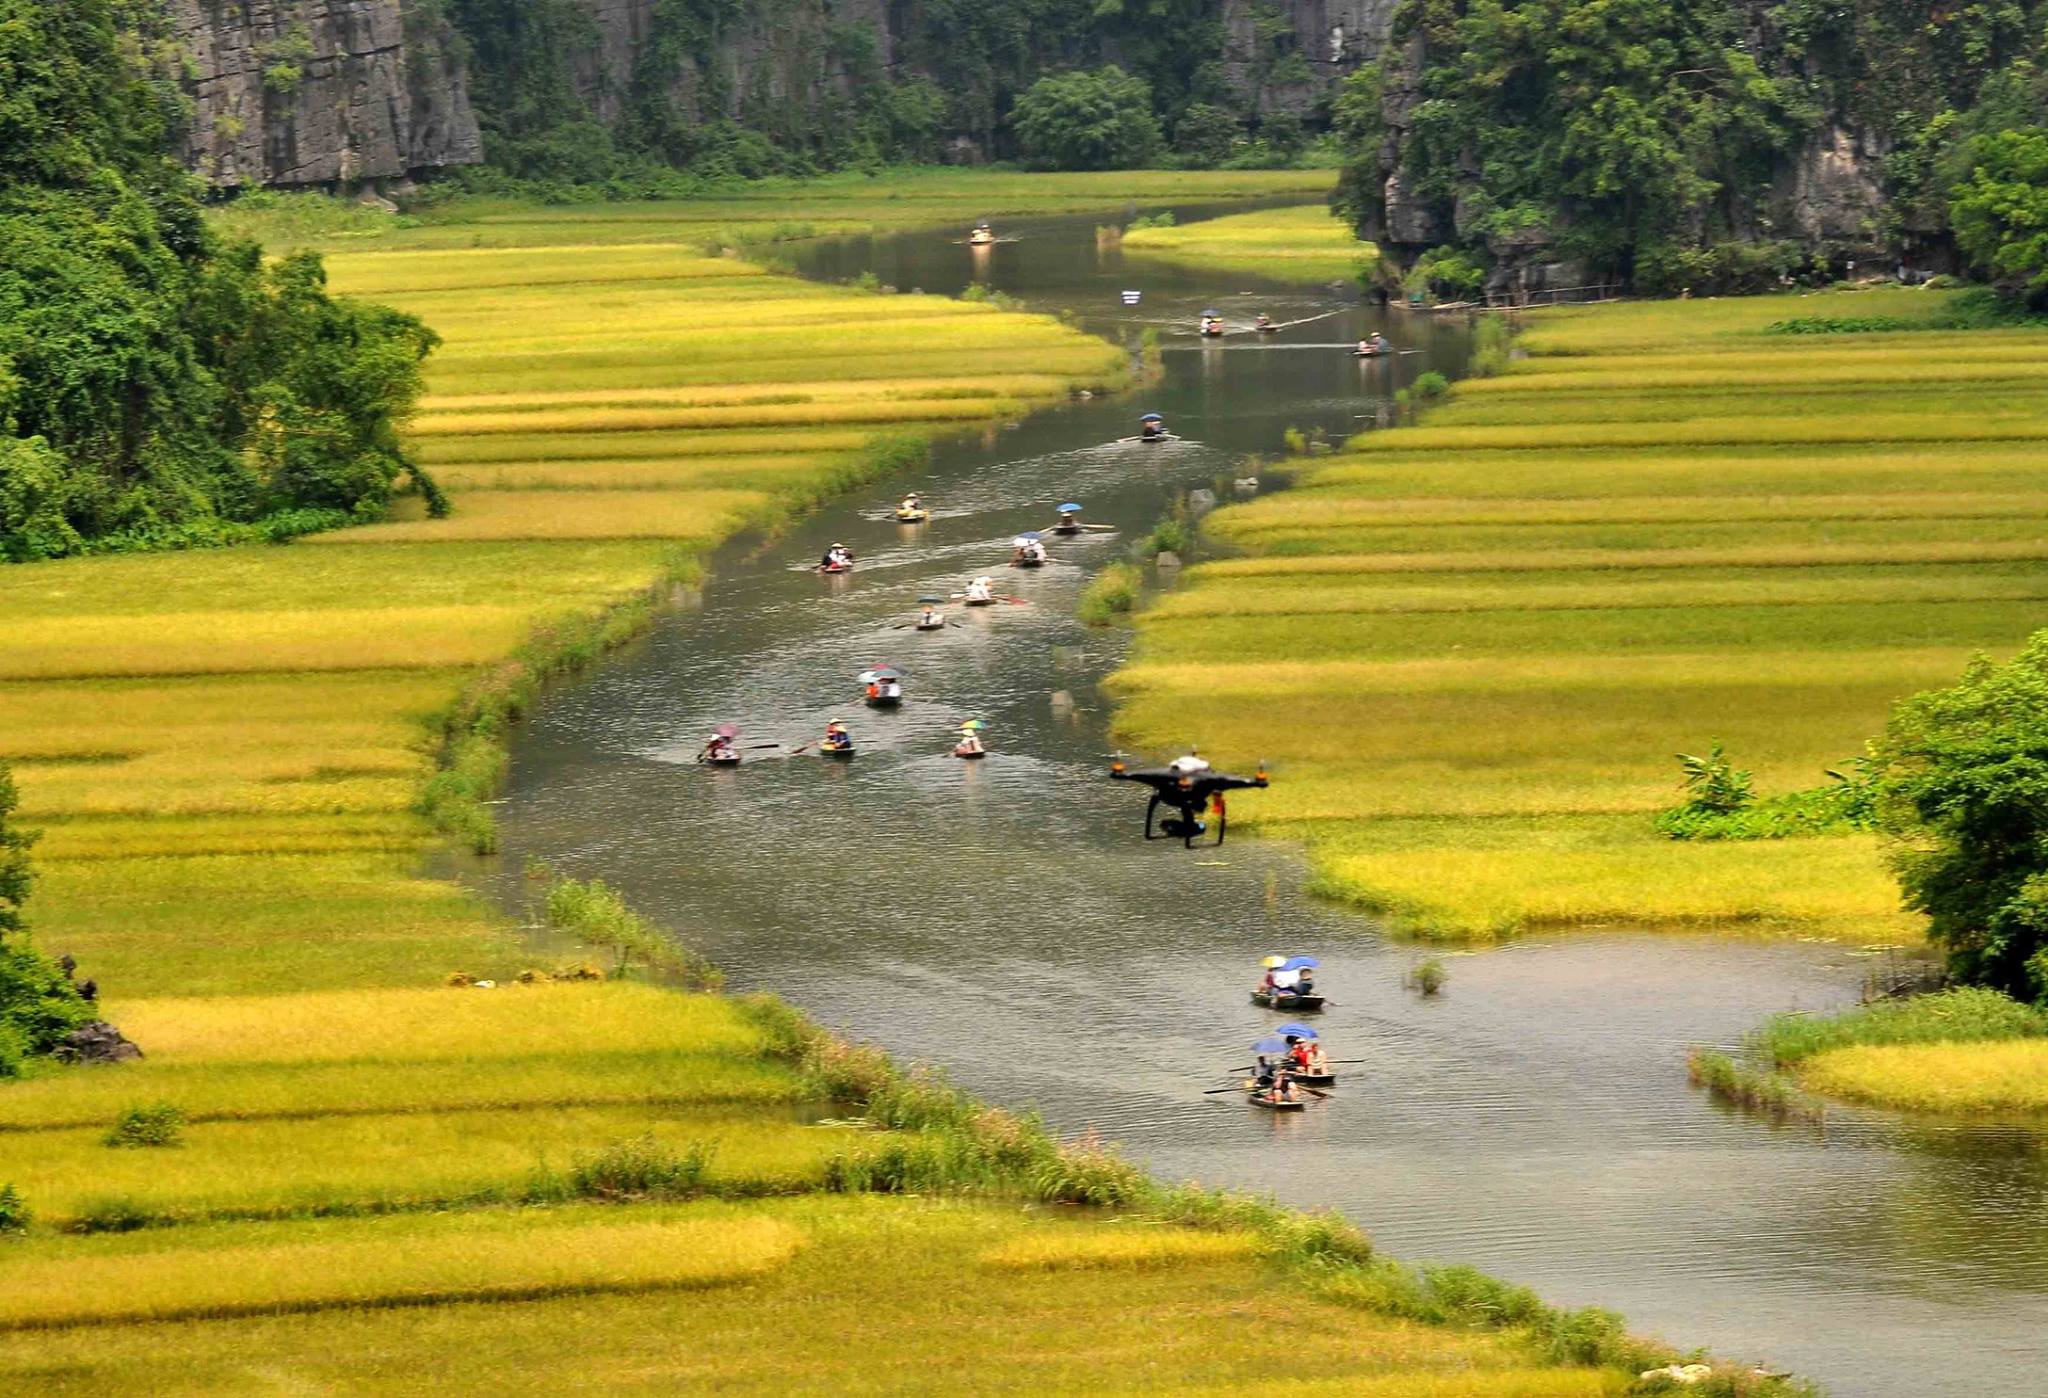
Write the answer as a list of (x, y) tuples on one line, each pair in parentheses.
[(2000, 213), (1206, 134), (38, 1003), (1962, 789), (157, 383), (1099, 120)]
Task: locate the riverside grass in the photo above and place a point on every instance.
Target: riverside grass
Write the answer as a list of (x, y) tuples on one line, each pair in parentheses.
[(225, 751), (1491, 630), (1300, 242)]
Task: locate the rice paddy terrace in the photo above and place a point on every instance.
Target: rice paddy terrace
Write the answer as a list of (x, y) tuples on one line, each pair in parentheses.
[(226, 751), (1662, 527)]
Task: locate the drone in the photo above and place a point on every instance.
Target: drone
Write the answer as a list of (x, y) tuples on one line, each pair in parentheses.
[(1187, 785)]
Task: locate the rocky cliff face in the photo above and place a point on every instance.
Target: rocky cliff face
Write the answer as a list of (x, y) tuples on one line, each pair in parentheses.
[(1291, 55), (339, 92), (320, 92)]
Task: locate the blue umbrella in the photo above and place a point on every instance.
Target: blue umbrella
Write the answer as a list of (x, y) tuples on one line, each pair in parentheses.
[(1151, 417), (1299, 1031), (1213, 313), (1299, 963), (1031, 534), (1071, 508), (930, 597), (1270, 1045)]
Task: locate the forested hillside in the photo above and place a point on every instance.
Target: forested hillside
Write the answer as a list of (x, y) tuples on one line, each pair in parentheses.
[(157, 384), (1719, 146)]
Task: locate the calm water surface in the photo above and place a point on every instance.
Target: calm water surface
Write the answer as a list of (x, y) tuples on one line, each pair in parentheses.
[(1005, 920)]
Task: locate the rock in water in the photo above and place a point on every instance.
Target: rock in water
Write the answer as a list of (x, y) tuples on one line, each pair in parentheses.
[(98, 1042), (1201, 501)]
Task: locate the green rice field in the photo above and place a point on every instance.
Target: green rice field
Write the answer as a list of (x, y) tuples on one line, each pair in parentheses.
[(1656, 528)]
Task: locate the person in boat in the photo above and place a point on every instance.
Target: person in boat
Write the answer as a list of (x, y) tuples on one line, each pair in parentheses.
[(1298, 1053), (1282, 1089), (1318, 1062), (1379, 343), (911, 505), (970, 739), (1152, 427), (836, 738), (928, 619), (1263, 1074), (1364, 347), (1304, 981), (981, 590), (719, 749), (1029, 551), (1069, 519), (1266, 322), (838, 556)]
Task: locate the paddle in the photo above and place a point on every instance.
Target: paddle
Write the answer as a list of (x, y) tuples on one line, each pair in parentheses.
[(756, 747), (1234, 1087)]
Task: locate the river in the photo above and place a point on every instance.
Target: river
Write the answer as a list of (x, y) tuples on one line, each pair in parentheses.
[(1006, 921)]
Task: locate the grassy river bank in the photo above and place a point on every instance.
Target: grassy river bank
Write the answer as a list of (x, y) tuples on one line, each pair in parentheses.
[(234, 756)]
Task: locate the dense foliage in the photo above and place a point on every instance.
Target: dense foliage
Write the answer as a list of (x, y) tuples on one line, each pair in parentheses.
[(2001, 210), (1657, 142), (159, 385), (822, 96), (1963, 789), (1099, 120), (38, 1003)]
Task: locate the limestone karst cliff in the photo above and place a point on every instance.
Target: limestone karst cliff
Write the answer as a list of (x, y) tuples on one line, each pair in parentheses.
[(315, 92)]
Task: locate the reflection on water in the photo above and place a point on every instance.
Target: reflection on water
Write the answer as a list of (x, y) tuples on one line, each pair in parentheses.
[(1004, 919)]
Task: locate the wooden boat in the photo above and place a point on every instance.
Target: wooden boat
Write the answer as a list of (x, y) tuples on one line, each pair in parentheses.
[(1274, 1104), (912, 516), (846, 751), (935, 624), (1064, 529), (979, 602), (835, 567), (1029, 560), (1286, 1000), (729, 759), (969, 755), (1304, 1079), (882, 701)]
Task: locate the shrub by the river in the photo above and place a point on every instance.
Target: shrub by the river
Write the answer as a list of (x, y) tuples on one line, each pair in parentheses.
[(1111, 594), (1962, 1015), (15, 1215)]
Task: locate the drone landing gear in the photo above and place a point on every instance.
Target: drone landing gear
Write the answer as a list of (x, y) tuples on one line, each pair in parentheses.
[(1185, 825)]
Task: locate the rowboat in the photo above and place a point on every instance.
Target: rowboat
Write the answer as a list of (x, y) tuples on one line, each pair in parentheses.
[(1275, 1104), (1286, 1000), (846, 751), (912, 516), (969, 753), (731, 759)]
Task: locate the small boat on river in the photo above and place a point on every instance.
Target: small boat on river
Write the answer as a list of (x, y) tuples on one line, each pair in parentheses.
[(1275, 1104), (1287, 1000), (883, 687)]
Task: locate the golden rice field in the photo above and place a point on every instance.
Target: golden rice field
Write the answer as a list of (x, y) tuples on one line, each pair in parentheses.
[(1995, 1076), (224, 750), (848, 1295), (1659, 527), (1301, 242)]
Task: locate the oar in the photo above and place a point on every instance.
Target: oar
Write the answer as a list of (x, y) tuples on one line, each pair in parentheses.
[(794, 751), (756, 747), (1312, 1091), (1234, 1087)]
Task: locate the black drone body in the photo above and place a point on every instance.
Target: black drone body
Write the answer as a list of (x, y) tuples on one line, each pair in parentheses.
[(1188, 787)]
